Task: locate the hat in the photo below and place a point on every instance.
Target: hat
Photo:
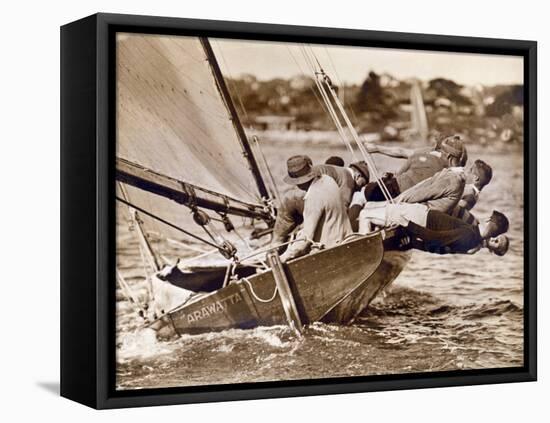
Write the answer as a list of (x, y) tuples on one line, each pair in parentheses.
[(300, 170), (362, 168), (453, 146), (501, 223)]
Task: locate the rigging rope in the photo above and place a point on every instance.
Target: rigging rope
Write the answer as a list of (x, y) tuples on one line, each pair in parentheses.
[(198, 238), (366, 155), (148, 258), (341, 84), (256, 295), (235, 90), (321, 100), (275, 192), (328, 104), (271, 179), (141, 311), (322, 81)]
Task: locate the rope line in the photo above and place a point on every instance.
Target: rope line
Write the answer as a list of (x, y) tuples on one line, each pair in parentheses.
[(233, 83), (302, 72), (322, 81), (256, 295), (127, 291), (366, 155), (145, 212), (271, 179), (341, 84), (328, 104)]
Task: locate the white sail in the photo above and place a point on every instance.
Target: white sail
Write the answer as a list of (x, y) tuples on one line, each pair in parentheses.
[(419, 119), (172, 119)]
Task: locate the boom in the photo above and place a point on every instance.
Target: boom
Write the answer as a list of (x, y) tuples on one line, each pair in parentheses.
[(185, 193)]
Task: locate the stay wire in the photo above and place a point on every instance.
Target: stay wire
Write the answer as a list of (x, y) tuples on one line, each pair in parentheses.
[(351, 129), (167, 223), (328, 104)]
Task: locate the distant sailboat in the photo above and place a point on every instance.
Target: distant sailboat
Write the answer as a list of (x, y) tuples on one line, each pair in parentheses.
[(189, 178)]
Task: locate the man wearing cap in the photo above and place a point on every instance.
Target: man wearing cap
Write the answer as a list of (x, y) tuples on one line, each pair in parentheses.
[(421, 164), (437, 232), (325, 216), (289, 214)]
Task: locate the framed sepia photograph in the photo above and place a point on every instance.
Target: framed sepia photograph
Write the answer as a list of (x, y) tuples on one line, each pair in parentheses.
[(257, 211)]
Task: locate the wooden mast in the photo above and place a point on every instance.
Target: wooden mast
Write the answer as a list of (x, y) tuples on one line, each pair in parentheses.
[(247, 151)]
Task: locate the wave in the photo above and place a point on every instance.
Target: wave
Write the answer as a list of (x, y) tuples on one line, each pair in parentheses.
[(406, 301)]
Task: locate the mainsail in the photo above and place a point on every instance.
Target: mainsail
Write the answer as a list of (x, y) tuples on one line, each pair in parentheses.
[(175, 122)]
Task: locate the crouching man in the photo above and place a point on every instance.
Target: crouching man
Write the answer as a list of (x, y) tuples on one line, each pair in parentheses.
[(291, 210), (437, 232), (325, 216)]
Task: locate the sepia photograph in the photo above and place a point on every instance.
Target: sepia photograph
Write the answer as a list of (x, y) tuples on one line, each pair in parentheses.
[(296, 211)]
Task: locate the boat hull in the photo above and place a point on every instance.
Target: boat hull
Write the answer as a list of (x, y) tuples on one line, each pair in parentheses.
[(318, 281), (349, 308)]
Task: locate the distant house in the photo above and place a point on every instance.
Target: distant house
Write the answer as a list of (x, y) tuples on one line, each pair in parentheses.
[(274, 122)]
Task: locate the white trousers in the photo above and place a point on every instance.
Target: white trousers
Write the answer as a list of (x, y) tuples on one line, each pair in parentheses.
[(386, 214)]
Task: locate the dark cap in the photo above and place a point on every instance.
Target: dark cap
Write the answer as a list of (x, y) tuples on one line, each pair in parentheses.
[(335, 161), (362, 168), (501, 223), (454, 146)]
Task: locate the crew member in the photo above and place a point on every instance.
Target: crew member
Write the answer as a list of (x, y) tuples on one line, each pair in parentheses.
[(421, 164), (446, 189), (437, 232), (349, 179), (325, 217), (289, 214)]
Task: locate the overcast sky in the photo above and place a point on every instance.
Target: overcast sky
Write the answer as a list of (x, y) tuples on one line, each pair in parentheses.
[(351, 64)]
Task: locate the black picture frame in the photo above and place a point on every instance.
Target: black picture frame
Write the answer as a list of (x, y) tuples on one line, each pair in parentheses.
[(88, 217)]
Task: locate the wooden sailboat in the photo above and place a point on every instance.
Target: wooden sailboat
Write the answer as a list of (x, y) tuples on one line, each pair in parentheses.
[(181, 153)]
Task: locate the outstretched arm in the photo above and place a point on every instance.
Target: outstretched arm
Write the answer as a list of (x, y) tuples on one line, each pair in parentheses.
[(289, 216), (312, 215), (398, 152)]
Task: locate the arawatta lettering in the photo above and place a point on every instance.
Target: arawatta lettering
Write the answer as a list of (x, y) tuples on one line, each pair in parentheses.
[(214, 308)]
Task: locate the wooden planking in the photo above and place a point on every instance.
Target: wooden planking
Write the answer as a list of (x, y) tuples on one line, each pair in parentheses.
[(391, 266)]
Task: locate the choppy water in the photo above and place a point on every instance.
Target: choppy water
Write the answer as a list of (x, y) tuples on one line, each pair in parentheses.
[(442, 313)]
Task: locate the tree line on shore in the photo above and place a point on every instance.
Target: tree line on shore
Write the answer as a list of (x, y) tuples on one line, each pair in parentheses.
[(382, 101)]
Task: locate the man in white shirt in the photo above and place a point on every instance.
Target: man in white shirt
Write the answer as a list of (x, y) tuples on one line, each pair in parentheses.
[(290, 212), (325, 216)]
